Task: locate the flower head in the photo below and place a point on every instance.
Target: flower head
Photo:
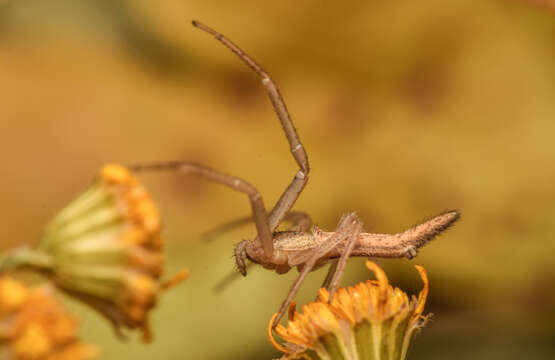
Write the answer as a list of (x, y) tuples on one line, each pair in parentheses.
[(34, 326), (105, 249), (371, 320)]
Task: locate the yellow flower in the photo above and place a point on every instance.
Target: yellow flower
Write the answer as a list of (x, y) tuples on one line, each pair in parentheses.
[(371, 320), (105, 249), (34, 326)]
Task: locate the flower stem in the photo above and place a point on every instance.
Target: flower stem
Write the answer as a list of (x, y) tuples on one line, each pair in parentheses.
[(25, 257)]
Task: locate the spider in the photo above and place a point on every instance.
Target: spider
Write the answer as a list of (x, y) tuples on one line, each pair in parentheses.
[(300, 246)]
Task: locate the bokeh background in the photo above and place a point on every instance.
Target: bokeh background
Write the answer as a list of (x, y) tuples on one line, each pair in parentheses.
[(406, 108)]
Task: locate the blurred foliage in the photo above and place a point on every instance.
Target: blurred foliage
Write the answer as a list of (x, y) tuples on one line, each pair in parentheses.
[(406, 108)]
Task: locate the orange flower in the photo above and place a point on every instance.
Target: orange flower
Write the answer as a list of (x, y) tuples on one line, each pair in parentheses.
[(371, 320), (105, 249), (34, 326)]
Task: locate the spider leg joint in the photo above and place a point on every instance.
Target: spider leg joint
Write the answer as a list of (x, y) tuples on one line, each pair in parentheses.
[(297, 148), (411, 252)]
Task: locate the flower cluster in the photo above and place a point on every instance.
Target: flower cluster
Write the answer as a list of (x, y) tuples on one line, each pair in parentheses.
[(34, 326), (371, 320)]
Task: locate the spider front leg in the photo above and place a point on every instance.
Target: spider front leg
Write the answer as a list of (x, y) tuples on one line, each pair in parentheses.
[(300, 221), (347, 231), (296, 186), (233, 182)]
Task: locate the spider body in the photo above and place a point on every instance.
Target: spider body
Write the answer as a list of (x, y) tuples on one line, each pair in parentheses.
[(292, 248)]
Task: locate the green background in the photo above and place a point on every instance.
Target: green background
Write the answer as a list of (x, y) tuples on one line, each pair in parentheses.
[(406, 108)]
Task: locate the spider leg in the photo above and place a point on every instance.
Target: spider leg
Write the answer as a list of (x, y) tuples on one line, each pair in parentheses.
[(342, 262), (221, 229), (229, 279), (300, 222), (348, 225), (235, 183), (330, 273), (292, 192)]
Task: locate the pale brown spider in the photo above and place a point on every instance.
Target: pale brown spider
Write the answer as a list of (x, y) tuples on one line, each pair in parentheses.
[(299, 247)]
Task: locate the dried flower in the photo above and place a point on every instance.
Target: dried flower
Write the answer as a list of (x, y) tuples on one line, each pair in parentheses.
[(105, 249), (34, 326), (371, 320)]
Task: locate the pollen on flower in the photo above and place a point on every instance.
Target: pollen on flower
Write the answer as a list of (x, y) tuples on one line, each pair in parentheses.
[(12, 294), (32, 343), (38, 328), (146, 212), (136, 207), (114, 173), (143, 288), (369, 317)]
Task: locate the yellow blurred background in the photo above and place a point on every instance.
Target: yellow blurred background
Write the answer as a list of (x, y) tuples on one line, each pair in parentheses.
[(406, 108)]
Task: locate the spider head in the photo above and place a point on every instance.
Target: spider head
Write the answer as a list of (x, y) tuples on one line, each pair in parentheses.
[(241, 257)]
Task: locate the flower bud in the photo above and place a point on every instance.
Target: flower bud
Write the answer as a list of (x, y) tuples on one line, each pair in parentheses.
[(105, 249)]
